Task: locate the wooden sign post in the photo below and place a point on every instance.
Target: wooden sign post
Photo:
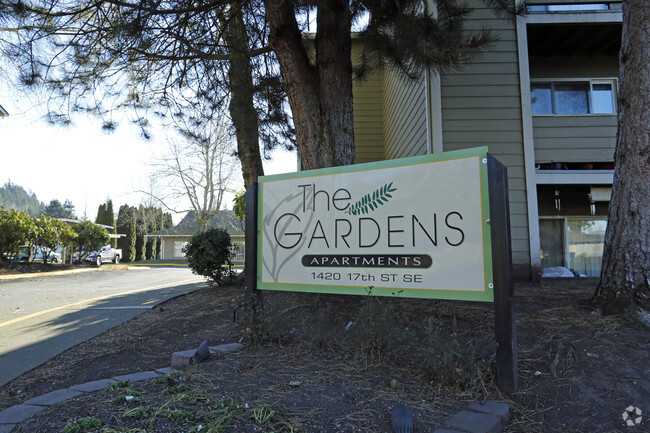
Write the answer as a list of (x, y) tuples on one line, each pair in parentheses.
[(504, 313)]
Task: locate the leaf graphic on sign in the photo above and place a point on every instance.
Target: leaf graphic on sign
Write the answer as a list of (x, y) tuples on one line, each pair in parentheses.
[(370, 202)]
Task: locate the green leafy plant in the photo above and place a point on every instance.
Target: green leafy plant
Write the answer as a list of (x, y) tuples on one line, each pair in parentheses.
[(16, 228), (192, 397), (207, 252), (128, 396), (114, 386), (221, 417), (82, 425), (239, 207), (138, 412), (178, 389), (370, 202), (262, 414), (90, 237), (179, 416)]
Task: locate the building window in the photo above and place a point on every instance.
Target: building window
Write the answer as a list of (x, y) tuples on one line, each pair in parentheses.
[(573, 243), (585, 243), (178, 249), (573, 97)]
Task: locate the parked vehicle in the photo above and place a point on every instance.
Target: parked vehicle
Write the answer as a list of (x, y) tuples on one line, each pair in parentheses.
[(105, 255), (38, 255), (52, 257)]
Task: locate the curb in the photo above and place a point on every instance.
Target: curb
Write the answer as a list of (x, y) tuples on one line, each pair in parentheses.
[(69, 272)]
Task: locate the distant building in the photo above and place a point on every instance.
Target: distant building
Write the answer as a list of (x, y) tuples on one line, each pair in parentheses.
[(172, 240)]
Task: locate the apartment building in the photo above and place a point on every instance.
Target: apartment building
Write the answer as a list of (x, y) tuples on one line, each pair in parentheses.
[(543, 99)]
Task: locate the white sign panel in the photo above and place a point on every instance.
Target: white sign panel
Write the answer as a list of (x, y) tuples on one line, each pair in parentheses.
[(417, 227)]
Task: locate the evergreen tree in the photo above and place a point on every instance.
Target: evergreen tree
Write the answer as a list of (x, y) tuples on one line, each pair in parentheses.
[(15, 197), (160, 221), (151, 227), (68, 210), (141, 230), (54, 209), (126, 225), (101, 214), (110, 220), (169, 221), (624, 281), (106, 216)]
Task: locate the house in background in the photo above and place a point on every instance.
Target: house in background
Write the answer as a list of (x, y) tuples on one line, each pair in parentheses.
[(543, 99), (174, 239)]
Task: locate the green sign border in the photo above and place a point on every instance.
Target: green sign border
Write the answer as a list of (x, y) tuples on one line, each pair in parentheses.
[(470, 295)]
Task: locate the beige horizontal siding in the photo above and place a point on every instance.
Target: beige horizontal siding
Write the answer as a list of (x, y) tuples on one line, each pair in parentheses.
[(481, 106), (404, 116), (368, 119), (574, 138)]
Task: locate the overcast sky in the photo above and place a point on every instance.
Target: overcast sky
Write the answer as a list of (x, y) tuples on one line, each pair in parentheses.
[(80, 163)]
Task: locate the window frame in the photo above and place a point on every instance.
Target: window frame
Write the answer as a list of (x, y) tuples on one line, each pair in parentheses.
[(591, 81)]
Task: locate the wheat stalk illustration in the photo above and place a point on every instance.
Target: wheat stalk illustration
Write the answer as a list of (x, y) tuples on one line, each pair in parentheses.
[(370, 202)]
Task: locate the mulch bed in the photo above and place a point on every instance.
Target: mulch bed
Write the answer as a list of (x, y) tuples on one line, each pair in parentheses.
[(322, 363)]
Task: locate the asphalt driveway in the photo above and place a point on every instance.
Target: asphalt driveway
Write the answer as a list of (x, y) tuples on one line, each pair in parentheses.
[(44, 316)]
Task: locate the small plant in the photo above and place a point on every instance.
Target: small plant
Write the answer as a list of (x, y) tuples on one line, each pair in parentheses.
[(114, 386), (177, 389), (179, 416), (262, 414), (260, 325), (380, 326), (131, 430), (138, 412), (190, 398), (82, 425), (207, 252), (128, 396), (217, 425)]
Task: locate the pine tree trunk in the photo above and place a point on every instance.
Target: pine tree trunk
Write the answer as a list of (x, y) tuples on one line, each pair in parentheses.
[(242, 111), (625, 277), (320, 95)]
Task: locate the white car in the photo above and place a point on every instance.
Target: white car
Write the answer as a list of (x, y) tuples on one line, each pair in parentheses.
[(52, 257)]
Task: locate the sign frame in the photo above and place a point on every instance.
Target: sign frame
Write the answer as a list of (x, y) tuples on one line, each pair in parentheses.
[(484, 293)]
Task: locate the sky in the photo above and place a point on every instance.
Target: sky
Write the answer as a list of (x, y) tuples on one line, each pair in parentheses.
[(81, 163)]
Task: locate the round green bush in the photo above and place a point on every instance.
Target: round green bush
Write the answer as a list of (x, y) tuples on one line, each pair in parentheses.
[(207, 252)]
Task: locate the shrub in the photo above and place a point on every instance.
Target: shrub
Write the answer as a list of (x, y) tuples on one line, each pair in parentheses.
[(207, 251), (90, 237), (16, 228)]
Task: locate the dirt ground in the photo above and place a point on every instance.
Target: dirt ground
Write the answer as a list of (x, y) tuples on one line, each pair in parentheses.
[(322, 363)]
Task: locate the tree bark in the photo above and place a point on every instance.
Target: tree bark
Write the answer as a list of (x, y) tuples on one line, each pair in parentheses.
[(625, 277), (242, 110), (320, 95)]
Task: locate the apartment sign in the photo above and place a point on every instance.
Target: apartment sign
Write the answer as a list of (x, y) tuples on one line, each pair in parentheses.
[(414, 227)]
